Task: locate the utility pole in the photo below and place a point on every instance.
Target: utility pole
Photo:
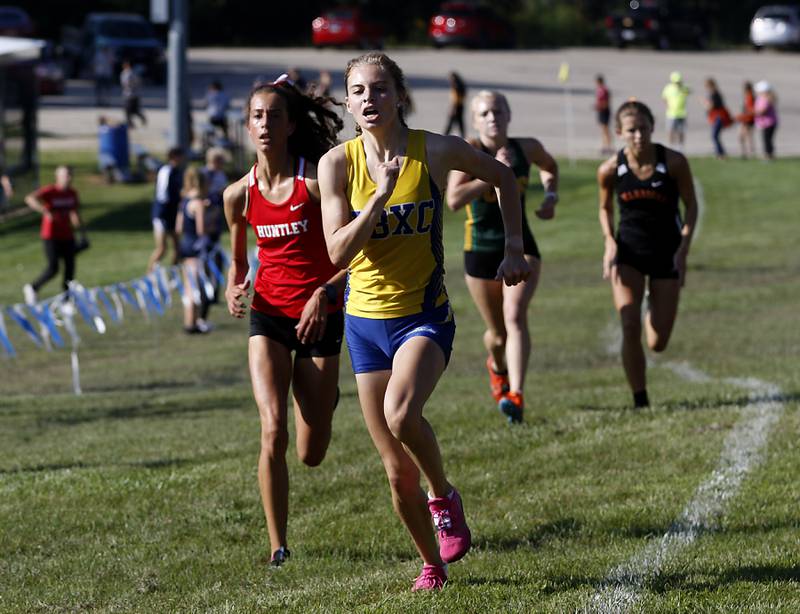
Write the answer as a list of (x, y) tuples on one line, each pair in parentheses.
[(178, 100)]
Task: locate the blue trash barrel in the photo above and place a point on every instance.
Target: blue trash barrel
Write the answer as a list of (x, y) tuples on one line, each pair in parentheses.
[(113, 143)]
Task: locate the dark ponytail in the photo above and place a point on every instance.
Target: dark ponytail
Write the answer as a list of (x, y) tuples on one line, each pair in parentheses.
[(316, 124)]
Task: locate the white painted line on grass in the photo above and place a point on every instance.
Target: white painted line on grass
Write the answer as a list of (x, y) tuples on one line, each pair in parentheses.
[(612, 338), (688, 372), (742, 452)]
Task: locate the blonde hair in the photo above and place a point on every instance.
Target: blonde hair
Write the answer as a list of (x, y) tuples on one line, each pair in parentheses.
[(217, 152), (489, 94), (195, 181)]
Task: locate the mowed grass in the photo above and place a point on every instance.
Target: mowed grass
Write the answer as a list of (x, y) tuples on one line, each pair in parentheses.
[(140, 495)]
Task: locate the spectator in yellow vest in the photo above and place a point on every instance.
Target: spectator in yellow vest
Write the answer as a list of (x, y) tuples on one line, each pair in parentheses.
[(675, 94)]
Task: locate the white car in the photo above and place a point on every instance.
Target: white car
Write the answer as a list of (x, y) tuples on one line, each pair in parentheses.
[(775, 26)]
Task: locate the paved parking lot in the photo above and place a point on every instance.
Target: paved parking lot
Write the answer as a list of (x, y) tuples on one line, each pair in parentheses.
[(539, 103)]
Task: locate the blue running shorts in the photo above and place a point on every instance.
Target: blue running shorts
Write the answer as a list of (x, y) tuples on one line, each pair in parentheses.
[(372, 343)]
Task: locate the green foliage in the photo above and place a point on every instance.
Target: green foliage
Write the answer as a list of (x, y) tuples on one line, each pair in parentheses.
[(239, 22), (141, 495), (540, 23)]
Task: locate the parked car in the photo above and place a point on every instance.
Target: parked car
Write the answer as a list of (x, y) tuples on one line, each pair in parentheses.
[(346, 27), (658, 24), (469, 25), (15, 22), (129, 36), (50, 77), (776, 26)]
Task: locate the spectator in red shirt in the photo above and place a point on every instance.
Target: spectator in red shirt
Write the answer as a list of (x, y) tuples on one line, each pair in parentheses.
[(602, 104), (58, 204)]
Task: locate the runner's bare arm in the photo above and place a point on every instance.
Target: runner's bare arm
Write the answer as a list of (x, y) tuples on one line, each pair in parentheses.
[(462, 188), (548, 175), (678, 167), (605, 185), (234, 201), (445, 153), (345, 235)]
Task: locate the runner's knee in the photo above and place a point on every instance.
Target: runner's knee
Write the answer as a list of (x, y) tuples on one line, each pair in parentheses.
[(400, 422), (274, 441), (631, 322), (515, 315), (311, 451), (403, 479), (311, 457), (657, 342), (403, 422), (494, 338)]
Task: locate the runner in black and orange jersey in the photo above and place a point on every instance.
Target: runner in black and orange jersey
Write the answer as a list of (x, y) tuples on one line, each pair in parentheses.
[(651, 243)]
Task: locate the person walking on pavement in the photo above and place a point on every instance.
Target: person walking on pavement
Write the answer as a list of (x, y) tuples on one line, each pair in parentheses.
[(103, 65), (131, 85)]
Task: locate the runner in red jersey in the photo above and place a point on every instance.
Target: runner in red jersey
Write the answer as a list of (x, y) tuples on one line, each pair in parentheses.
[(297, 305), (58, 204), (293, 259)]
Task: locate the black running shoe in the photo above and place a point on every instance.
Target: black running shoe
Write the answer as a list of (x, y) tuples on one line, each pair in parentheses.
[(279, 557)]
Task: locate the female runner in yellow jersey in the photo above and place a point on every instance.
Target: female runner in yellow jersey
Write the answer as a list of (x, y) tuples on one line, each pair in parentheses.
[(382, 218)]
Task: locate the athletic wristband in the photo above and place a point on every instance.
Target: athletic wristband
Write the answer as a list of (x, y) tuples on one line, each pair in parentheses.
[(553, 195), (331, 293)]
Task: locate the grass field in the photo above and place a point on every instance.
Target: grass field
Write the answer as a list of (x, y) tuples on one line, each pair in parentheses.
[(140, 495)]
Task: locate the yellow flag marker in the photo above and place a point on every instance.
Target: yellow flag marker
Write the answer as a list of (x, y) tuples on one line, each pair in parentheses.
[(563, 72)]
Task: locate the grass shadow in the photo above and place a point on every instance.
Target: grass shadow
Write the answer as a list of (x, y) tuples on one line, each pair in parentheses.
[(137, 411), (562, 527), (484, 581), (690, 405), (355, 554), (760, 574), (133, 216), (158, 463)]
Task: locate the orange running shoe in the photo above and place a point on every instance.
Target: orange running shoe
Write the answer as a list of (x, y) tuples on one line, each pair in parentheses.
[(512, 406), (498, 382)]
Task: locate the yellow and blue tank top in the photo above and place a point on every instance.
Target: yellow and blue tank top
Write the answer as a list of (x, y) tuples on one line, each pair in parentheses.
[(400, 270)]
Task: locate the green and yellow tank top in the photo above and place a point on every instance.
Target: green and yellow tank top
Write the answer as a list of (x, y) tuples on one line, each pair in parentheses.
[(400, 270), (483, 228)]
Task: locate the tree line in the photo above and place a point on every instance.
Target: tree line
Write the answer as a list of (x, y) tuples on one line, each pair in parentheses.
[(538, 23)]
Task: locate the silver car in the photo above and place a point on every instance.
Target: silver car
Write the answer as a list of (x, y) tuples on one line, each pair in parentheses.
[(775, 26)]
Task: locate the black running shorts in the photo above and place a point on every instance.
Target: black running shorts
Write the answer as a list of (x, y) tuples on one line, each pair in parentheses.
[(282, 330), (655, 265), (484, 265)]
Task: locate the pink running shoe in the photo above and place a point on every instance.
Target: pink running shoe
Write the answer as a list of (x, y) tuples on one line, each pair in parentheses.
[(448, 518), (432, 578)]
